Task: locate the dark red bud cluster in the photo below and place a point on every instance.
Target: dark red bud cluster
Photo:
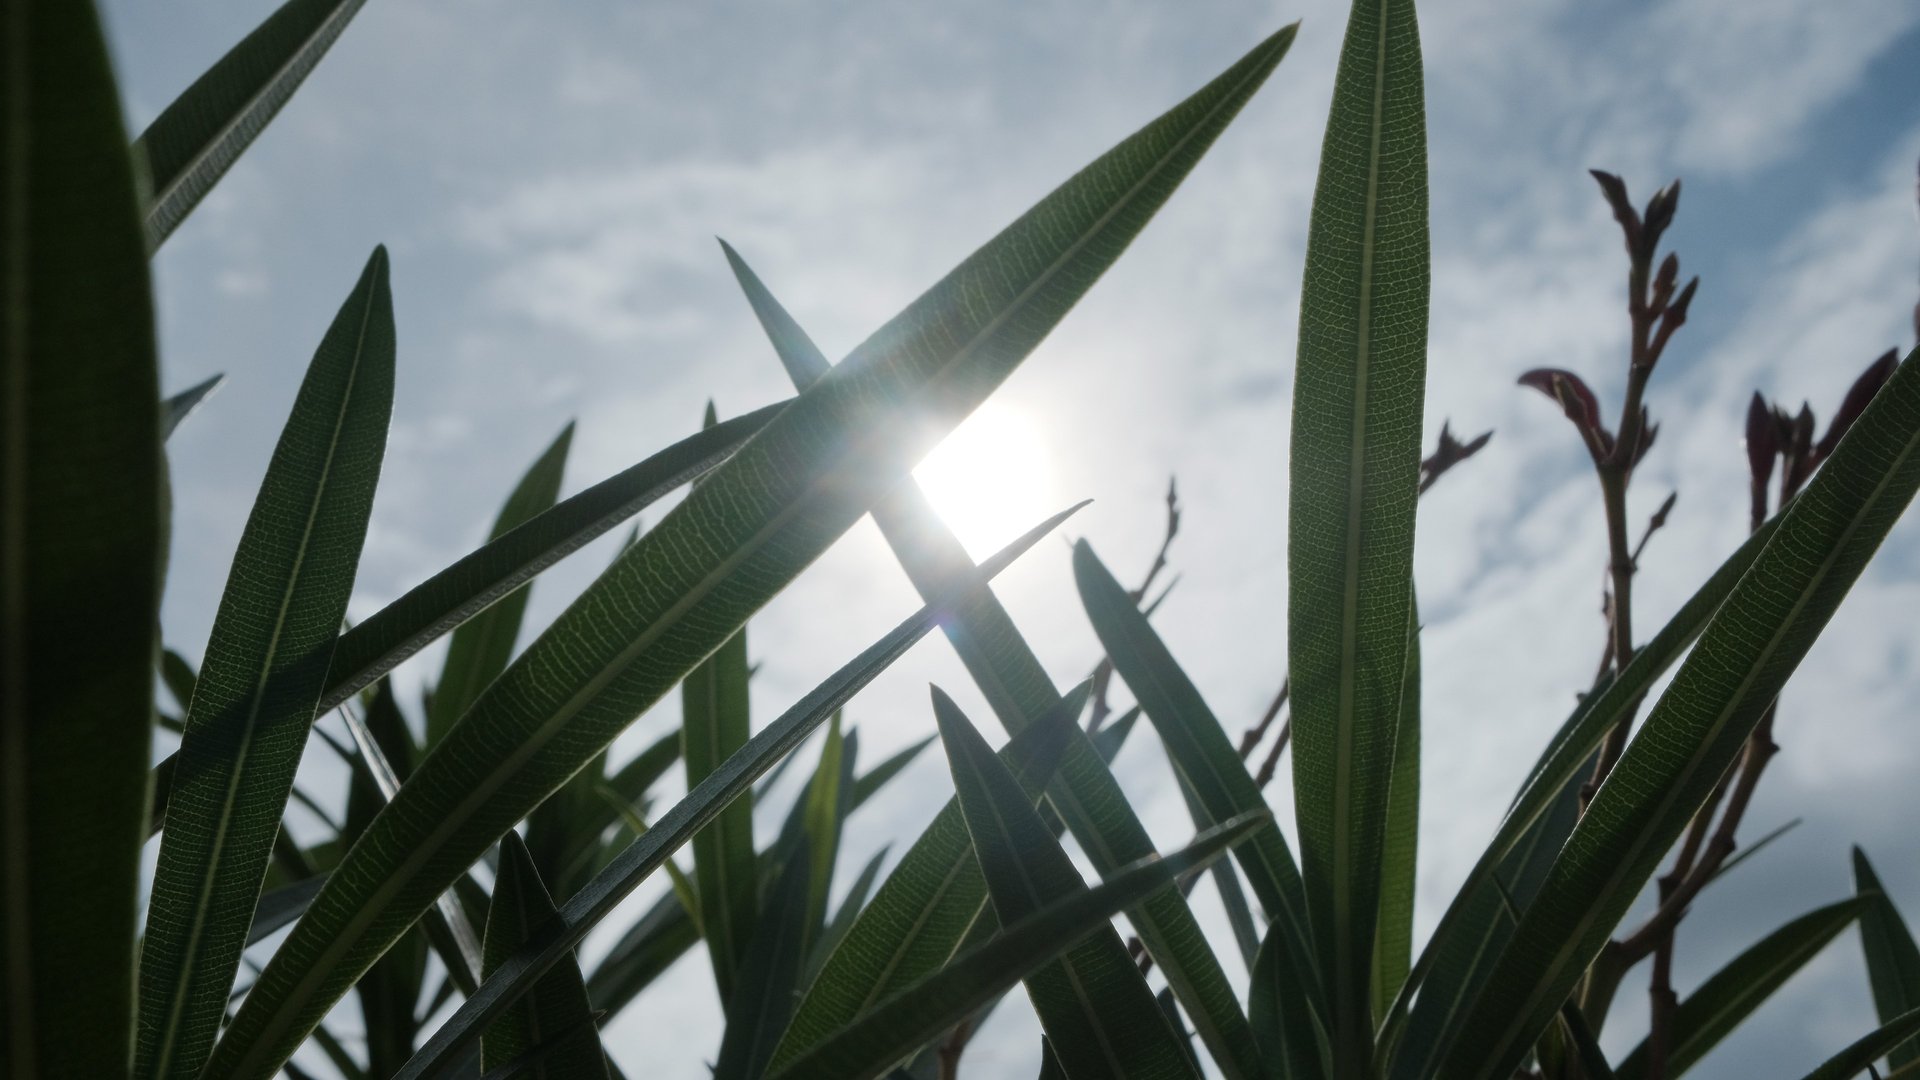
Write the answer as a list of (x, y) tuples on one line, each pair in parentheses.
[(1449, 453), (1578, 402)]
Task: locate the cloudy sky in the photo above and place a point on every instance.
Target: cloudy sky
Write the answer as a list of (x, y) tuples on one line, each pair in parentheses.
[(550, 178)]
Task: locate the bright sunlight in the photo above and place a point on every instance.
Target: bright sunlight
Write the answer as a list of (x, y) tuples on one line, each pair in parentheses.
[(991, 479)]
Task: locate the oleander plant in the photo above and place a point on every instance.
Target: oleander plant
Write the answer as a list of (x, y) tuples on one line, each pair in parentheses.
[(481, 833)]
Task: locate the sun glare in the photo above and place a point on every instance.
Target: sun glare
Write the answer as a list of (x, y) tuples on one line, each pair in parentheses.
[(991, 479)]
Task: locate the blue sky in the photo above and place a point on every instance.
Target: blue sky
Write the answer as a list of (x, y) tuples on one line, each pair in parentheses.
[(550, 179)]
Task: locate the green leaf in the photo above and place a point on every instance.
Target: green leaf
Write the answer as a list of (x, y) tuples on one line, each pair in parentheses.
[(1567, 758), (81, 521), (735, 541), (769, 973), (649, 947), (266, 664), (633, 865), (1093, 1002), (1484, 922), (1692, 735), (1586, 1045), (193, 143), (1018, 689), (867, 1047), (1198, 747), (1354, 476), (483, 576), (870, 782), (1729, 995), (1868, 1049), (1282, 1013), (827, 801), (483, 644), (850, 905), (927, 907), (715, 724), (281, 906), (557, 1004), (1399, 852), (181, 405), (1893, 962)]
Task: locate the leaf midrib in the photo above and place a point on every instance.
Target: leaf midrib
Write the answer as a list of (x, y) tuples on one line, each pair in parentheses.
[(197, 921), (1342, 854), (324, 963), (162, 217), (1571, 943)]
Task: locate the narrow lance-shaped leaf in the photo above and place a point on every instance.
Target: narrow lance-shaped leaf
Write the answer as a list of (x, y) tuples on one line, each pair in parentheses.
[(480, 578), (1869, 1048), (558, 1004), (1731, 994), (80, 528), (1282, 1012), (1692, 735), (842, 921), (737, 539), (1354, 475), (485, 575), (769, 973), (195, 140), (181, 405), (928, 906), (887, 1033), (1093, 1002), (829, 796), (1893, 962), (715, 723), (1568, 757), (483, 644), (265, 666), (1400, 848), (1018, 688), (586, 908)]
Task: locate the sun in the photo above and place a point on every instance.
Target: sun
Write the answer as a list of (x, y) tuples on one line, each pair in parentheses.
[(991, 479)]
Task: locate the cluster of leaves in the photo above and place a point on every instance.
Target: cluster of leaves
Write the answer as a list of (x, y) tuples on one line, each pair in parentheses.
[(482, 838)]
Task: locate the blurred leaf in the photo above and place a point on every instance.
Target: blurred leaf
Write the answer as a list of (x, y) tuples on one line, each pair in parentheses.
[(485, 575), (1893, 962), (871, 781), (718, 556), (1400, 847), (81, 512), (633, 865), (181, 405), (1355, 462), (389, 991), (483, 644), (1693, 733), (195, 140), (1586, 1046), (1093, 1002), (1868, 1049), (1731, 994), (716, 722), (769, 974), (1018, 689), (924, 910), (649, 947), (555, 1005), (281, 906), (888, 1032), (266, 664), (828, 799)]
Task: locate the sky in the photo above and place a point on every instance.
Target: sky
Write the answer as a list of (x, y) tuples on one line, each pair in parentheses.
[(550, 180)]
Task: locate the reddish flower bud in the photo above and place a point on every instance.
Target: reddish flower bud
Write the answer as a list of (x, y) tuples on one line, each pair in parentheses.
[(1763, 441), (1855, 403), (1577, 401), (1615, 191)]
